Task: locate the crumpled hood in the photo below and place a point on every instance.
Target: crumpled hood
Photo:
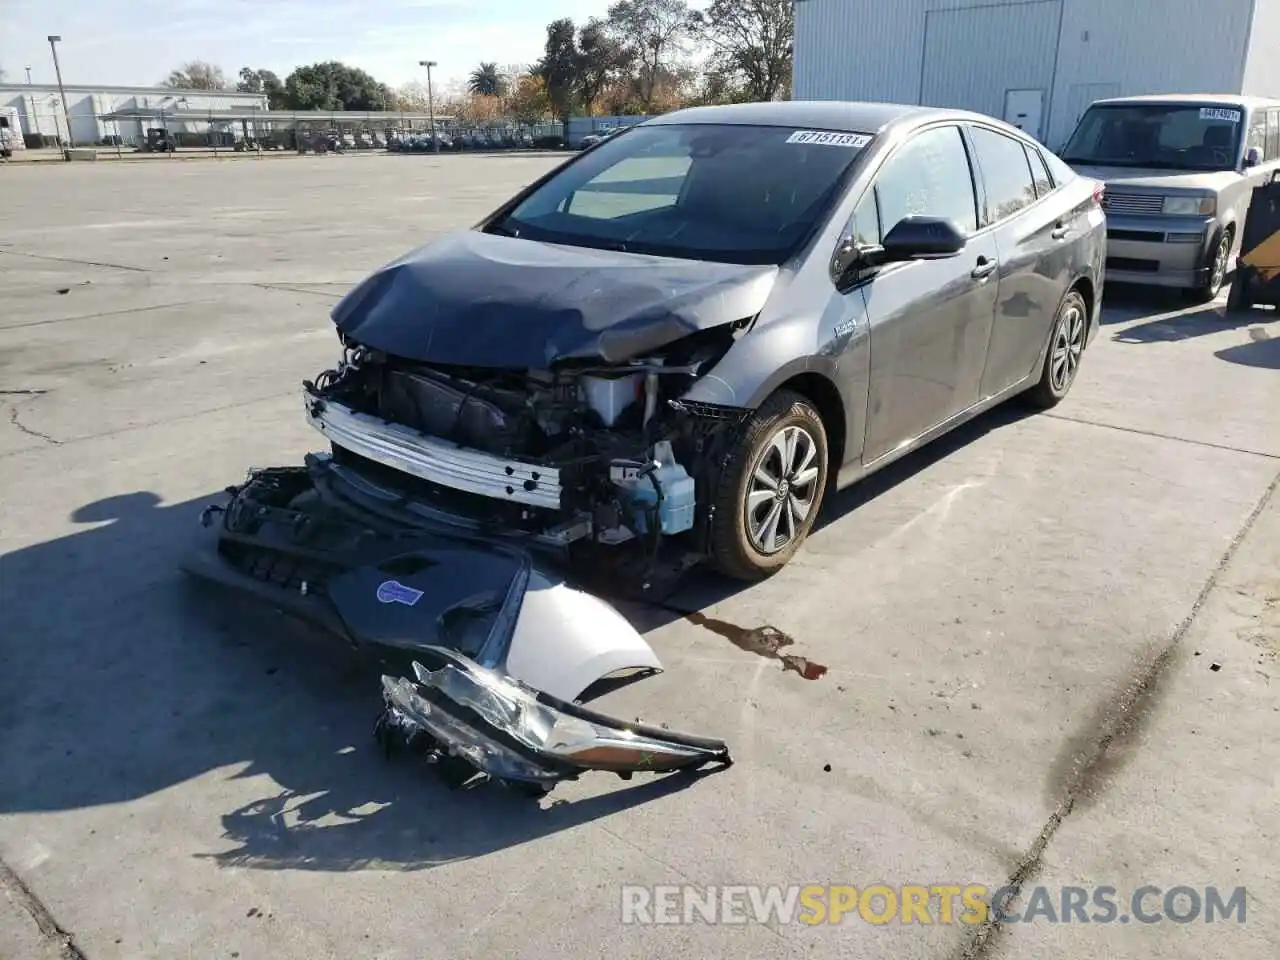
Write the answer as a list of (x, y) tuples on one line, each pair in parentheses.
[(485, 300), (1152, 181)]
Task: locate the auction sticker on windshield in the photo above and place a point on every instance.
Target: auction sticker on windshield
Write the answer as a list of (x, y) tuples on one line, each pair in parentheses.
[(854, 140), (1219, 113)]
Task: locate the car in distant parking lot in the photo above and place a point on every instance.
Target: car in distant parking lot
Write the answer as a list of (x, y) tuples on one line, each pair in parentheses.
[(600, 136), (1179, 174)]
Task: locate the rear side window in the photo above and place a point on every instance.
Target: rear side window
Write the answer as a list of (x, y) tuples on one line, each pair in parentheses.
[(1039, 171), (1006, 174), (1273, 135), (1258, 132)]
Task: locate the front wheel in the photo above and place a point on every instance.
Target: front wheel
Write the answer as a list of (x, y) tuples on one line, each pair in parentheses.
[(771, 489), (1217, 276), (1066, 349)]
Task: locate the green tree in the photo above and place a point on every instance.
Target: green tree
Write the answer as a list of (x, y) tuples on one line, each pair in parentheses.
[(529, 101), (263, 81), (197, 75), (487, 81), (600, 59), (751, 41), (558, 68), (335, 86), (653, 35)]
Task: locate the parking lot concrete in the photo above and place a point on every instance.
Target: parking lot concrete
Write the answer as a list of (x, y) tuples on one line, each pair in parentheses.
[(1051, 641)]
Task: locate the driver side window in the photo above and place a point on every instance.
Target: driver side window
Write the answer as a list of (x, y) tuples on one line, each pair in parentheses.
[(928, 176)]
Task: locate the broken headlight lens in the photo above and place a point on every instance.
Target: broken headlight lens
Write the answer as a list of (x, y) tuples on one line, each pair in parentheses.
[(515, 709)]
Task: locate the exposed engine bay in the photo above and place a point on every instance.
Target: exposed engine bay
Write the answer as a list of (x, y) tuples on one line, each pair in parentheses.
[(578, 457), (423, 537)]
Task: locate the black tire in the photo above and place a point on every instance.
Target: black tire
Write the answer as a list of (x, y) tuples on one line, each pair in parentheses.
[(1209, 290), (1053, 386), (732, 550)]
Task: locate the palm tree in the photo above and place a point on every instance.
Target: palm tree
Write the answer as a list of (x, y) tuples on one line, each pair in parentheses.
[(486, 81)]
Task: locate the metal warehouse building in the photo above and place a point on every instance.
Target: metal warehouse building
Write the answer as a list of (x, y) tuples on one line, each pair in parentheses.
[(1035, 63), (39, 109)]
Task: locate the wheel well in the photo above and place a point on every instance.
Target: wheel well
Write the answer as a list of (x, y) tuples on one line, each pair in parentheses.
[(824, 396), (1084, 286)]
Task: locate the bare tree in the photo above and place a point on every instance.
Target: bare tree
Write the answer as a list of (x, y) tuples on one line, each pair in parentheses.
[(197, 75), (752, 40), (653, 35)]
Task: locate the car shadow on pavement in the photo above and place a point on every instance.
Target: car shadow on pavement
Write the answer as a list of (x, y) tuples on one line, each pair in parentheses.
[(1200, 322), (703, 588), (1262, 350), (120, 678), (1120, 300)]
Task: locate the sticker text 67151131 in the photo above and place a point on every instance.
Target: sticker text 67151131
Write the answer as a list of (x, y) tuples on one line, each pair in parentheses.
[(1220, 113), (855, 141)]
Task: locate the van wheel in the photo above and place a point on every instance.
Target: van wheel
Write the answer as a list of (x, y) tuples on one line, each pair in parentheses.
[(1218, 261), (771, 489)]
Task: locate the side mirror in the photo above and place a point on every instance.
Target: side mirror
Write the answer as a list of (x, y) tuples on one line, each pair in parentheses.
[(922, 238), (1252, 157)]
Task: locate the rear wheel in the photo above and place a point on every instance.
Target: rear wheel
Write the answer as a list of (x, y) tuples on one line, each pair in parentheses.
[(1066, 349), (770, 491)]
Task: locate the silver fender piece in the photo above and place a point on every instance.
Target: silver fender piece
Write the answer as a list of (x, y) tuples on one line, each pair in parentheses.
[(565, 640)]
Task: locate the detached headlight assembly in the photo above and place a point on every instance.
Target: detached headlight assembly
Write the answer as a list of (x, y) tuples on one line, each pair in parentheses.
[(1190, 206), (511, 731)]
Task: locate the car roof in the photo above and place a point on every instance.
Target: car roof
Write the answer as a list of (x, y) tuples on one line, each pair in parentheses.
[(840, 115), (1218, 99)]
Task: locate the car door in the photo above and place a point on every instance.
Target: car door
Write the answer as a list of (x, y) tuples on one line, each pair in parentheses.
[(1033, 228), (929, 319)]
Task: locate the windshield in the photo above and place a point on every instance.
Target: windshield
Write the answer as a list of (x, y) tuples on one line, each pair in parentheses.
[(1159, 136), (734, 194)]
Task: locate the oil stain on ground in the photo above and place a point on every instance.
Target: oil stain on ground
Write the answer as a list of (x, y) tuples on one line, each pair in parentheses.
[(1103, 745), (763, 641)]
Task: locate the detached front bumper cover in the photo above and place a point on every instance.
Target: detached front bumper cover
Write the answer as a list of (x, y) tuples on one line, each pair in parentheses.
[(510, 732)]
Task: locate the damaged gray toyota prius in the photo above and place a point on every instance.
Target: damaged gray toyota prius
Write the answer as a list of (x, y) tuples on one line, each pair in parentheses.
[(663, 352)]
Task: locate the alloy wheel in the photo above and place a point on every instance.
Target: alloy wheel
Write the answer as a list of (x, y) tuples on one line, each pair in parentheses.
[(1218, 273), (782, 490), (1068, 344)]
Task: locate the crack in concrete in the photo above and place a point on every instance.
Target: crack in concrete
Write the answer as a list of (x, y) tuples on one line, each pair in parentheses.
[(95, 316), (1134, 695), (20, 894), (13, 419), (1162, 436), (144, 426), (82, 263), (286, 288)]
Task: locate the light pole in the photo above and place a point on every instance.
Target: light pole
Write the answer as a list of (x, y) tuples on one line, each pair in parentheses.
[(57, 70), (28, 76), (431, 106)]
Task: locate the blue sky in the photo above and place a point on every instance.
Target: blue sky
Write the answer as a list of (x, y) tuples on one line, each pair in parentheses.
[(140, 41)]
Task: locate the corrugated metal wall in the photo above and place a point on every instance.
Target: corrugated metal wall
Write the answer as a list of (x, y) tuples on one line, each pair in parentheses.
[(1262, 68), (1147, 46), (969, 62), (875, 50)]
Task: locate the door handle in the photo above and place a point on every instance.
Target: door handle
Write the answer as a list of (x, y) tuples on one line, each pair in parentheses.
[(1060, 230), (984, 269)]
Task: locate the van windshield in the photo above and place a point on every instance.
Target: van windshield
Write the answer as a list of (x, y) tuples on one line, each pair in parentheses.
[(1158, 136), (717, 192)]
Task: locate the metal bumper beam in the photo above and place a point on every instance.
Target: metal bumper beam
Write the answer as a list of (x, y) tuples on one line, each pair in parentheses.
[(433, 459)]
